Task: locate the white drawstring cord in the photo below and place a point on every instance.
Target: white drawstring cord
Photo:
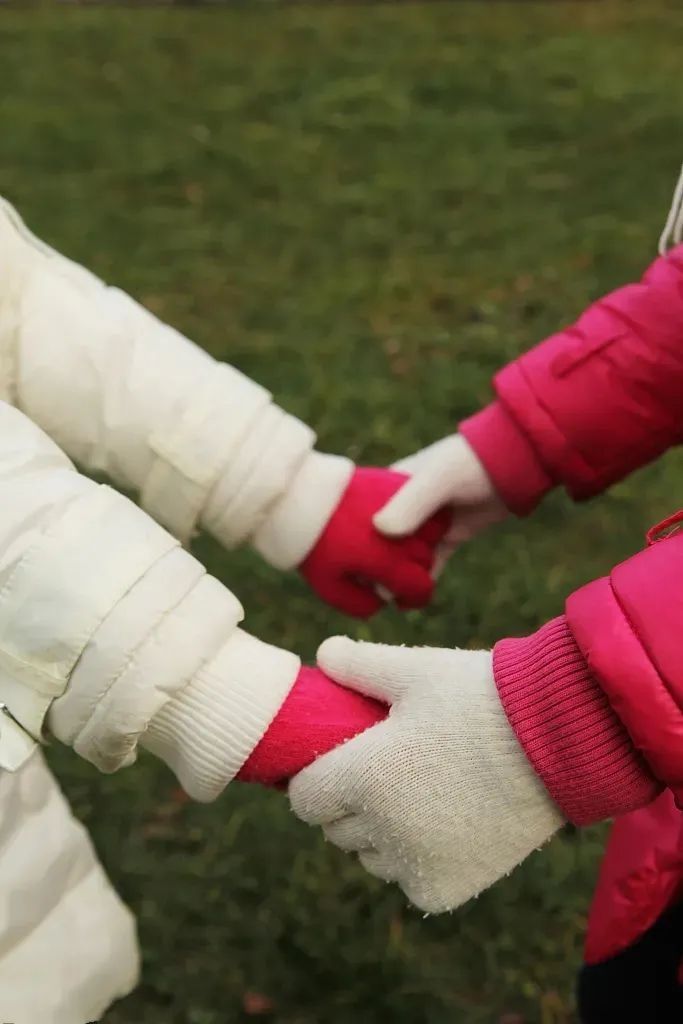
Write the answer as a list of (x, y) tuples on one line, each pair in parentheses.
[(678, 227), (673, 229)]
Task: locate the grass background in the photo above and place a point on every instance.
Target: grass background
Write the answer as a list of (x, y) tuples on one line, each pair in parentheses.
[(368, 210)]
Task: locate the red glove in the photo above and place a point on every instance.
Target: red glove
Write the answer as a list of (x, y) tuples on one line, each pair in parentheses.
[(351, 557), (315, 718)]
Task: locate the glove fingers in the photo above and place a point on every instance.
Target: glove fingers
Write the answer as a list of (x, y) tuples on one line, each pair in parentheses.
[(349, 834), (436, 527), (377, 670), (425, 546), (314, 797), (430, 901), (446, 470), (407, 510), (379, 865), (356, 599), (412, 585), (326, 791), (411, 603), (351, 597), (417, 551)]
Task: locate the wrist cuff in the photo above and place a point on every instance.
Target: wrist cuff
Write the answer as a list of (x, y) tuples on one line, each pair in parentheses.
[(299, 518), (567, 727), (208, 731), (508, 457)]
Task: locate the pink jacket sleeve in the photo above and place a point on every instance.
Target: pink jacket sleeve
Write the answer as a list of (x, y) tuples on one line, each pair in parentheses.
[(594, 402), (596, 697)]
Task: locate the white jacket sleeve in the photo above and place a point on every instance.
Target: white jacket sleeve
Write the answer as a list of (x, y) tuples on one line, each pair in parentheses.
[(125, 394), (112, 635)]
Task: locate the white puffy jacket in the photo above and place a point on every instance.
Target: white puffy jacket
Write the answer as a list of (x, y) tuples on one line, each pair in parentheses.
[(124, 394), (67, 943), (111, 634)]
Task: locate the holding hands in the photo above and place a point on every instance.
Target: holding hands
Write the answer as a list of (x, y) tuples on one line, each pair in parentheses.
[(445, 475), (352, 560), (440, 797), (395, 529)]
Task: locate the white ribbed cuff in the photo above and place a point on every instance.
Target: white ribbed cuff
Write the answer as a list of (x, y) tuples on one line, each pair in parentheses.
[(206, 733), (298, 519)]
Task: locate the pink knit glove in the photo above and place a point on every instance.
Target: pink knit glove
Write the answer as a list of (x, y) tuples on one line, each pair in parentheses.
[(351, 558), (317, 716)]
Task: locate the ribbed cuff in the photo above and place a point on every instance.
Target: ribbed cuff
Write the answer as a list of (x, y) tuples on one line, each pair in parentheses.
[(207, 733), (508, 457), (567, 727), (297, 521)]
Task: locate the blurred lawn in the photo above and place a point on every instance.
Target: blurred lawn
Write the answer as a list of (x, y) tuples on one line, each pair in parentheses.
[(368, 210)]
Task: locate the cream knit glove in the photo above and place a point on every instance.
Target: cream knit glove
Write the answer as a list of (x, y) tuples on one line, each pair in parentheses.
[(439, 797), (447, 473)]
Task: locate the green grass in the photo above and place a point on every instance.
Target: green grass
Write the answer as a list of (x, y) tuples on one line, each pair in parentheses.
[(368, 210)]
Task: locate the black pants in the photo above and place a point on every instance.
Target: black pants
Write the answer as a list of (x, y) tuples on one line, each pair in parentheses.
[(640, 985)]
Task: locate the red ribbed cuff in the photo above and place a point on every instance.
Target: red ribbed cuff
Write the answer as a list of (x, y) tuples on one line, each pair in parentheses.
[(508, 457), (567, 727)]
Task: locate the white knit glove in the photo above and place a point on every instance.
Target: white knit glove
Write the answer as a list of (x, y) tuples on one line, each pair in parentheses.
[(439, 797), (446, 473)]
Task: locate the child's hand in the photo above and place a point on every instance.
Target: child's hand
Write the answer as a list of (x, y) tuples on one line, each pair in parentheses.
[(446, 474), (351, 560), (439, 797)]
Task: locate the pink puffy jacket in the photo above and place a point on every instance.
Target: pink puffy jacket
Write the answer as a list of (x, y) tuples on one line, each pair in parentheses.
[(596, 696)]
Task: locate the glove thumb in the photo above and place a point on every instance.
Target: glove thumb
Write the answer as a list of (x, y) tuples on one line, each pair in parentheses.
[(381, 671), (407, 510)]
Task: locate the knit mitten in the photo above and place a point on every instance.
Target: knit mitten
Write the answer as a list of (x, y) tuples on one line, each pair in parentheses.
[(440, 797)]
